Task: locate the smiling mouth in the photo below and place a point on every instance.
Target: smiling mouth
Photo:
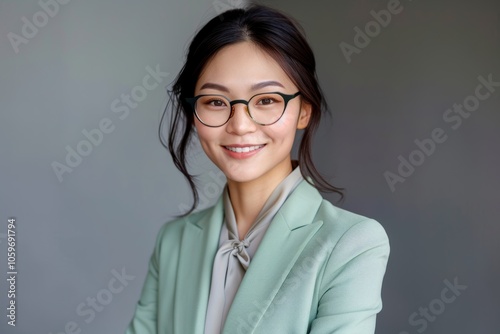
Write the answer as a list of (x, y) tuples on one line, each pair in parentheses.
[(243, 149)]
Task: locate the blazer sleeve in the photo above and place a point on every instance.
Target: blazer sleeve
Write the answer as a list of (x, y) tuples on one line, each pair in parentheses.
[(350, 290), (144, 320)]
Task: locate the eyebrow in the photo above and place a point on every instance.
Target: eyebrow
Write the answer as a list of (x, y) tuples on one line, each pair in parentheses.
[(253, 87)]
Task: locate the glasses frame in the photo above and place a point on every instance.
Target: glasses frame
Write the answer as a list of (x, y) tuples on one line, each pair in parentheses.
[(286, 99)]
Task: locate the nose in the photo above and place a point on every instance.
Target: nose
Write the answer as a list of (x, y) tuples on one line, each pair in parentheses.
[(240, 121)]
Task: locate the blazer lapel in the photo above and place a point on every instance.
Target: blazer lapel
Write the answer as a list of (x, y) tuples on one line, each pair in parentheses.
[(287, 235), (198, 248)]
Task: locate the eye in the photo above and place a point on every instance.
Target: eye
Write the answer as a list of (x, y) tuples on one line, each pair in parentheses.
[(266, 100), (215, 102)]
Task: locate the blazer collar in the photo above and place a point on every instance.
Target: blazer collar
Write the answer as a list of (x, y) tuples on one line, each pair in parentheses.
[(290, 230)]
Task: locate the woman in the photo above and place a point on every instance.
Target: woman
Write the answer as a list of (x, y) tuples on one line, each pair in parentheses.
[(271, 256)]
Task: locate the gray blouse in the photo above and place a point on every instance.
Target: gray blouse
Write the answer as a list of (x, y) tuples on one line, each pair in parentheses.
[(233, 257)]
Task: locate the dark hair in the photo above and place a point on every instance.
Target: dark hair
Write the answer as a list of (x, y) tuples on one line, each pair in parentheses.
[(279, 36)]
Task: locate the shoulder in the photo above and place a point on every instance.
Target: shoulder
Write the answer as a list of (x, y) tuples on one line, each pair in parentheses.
[(352, 235), (176, 226), (172, 231), (336, 225), (342, 221)]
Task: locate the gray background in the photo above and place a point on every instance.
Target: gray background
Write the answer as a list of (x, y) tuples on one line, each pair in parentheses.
[(104, 215)]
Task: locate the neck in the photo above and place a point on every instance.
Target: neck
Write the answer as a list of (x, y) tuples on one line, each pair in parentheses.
[(248, 198)]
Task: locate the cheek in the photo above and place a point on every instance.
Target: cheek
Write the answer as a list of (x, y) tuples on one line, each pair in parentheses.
[(284, 128)]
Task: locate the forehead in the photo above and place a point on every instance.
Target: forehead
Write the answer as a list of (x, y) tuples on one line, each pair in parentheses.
[(241, 65)]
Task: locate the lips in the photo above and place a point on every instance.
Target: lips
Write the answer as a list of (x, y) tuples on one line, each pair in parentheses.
[(243, 149)]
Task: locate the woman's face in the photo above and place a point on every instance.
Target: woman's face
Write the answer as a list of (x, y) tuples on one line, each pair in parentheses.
[(232, 73)]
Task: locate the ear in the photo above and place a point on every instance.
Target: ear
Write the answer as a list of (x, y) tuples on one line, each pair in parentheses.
[(304, 116)]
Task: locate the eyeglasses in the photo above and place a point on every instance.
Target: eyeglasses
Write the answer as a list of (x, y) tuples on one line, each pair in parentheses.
[(264, 108)]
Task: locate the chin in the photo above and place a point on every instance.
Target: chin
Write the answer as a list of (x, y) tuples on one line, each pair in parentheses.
[(240, 177)]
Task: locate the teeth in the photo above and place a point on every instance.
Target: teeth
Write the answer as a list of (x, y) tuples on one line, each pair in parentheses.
[(243, 149)]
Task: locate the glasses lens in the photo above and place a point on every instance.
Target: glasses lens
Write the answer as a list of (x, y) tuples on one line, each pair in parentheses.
[(266, 108), (213, 110)]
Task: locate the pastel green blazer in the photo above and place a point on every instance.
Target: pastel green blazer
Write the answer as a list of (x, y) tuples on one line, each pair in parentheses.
[(318, 270)]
